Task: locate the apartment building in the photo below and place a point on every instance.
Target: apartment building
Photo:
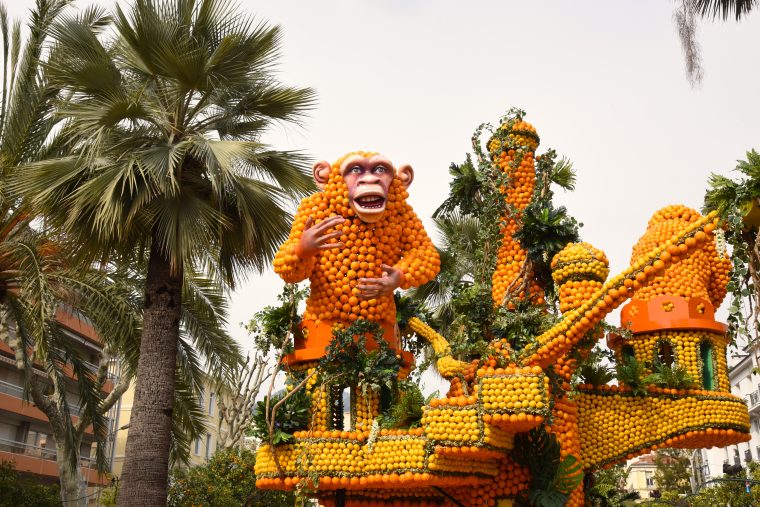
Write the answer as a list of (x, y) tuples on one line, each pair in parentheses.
[(641, 476), (708, 463), (201, 449), (25, 433)]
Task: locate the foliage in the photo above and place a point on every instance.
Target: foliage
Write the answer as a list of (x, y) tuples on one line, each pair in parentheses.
[(552, 478), (593, 365), (732, 199), (37, 275), (522, 324), (292, 415), (406, 408), (470, 236), (596, 374), (674, 377), (631, 373), (608, 488), (729, 492), (160, 156), (272, 325), (18, 492), (348, 362), (673, 470), (545, 230), (227, 479)]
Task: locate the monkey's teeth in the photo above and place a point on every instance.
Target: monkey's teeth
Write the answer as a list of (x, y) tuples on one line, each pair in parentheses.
[(371, 202)]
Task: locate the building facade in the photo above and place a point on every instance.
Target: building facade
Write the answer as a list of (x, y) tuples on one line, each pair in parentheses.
[(708, 463), (26, 437), (201, 449)]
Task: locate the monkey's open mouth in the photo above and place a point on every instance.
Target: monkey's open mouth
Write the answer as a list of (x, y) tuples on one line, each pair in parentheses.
[(371, 202)]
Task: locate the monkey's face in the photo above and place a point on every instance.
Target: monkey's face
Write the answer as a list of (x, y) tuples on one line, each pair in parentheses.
[(368, 181)]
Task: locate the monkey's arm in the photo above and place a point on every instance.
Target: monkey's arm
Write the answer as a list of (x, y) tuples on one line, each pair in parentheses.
[(419, 259), (287, 263)]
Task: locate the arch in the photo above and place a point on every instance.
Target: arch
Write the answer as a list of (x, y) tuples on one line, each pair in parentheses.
[(708, 365), (664, 353), (628, 353)]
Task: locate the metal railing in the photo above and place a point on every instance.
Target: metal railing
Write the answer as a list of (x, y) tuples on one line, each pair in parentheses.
[(18, 392), (12, 390), (46, 453), (753, 400)]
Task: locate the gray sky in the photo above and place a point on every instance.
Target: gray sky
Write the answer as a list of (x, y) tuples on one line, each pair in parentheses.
[(603, 82)]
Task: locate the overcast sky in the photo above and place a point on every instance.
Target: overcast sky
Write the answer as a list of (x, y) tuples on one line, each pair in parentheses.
[(603, 82)]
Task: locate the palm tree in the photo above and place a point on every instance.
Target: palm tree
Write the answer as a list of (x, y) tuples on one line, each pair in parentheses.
[(163, 123), (37, 280), (738, 203), (685, 16)]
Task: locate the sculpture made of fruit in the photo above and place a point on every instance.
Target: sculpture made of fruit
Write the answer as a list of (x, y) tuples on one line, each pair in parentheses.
[(511, 425)]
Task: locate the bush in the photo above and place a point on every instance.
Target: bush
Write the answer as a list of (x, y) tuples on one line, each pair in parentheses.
[(227, 479), (18, 492)]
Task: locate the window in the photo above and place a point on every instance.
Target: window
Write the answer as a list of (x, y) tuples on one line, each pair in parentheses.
[(208, 445), (706, 353), (665, 353), (628, 353), (337, 394), (757, 450), (201, 396), (649, 477), (737, 460), (747, 455), (198, 446), (211, 402)]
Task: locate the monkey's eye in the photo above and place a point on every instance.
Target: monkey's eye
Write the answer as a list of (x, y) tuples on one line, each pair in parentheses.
[(355, 169), (380, 169)]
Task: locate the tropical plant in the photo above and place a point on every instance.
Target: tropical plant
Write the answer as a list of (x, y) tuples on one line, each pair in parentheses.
[(38, 281), (673, 376), (457, 244), (225, 480), (18, 492), (686, 15), (406, 408), (469, 240), (552, 477), (631, 373), (595, 374), (348, 361), (291, 415), (607, 488), (737, 201), (163, 123)]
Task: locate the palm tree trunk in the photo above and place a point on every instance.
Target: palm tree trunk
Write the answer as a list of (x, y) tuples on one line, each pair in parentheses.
[(73, 494), (146, 466)]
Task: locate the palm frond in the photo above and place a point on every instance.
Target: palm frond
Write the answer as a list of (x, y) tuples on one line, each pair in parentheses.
[(724, 9), (204, 317), (563, 174), (187, 421)]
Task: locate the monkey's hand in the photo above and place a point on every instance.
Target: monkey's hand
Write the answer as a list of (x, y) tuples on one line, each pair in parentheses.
[(315, 237), (371, 288)]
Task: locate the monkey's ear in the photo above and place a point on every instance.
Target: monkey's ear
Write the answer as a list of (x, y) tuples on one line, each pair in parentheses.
[(406, 174), (321, 171)]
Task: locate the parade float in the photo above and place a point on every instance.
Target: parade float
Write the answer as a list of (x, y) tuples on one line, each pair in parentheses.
[(518, 426)]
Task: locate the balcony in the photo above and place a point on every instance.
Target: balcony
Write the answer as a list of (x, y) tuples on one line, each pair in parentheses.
[(12, 399), (111, 378), (753, 402), (42, 461)]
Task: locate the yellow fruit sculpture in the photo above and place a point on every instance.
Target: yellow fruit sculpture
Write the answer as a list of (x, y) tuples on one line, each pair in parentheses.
[(460, 453)]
